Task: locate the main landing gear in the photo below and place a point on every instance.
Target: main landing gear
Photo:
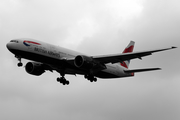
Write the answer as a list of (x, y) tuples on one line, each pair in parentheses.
[(63, 80), (91, 78), (20, 64)]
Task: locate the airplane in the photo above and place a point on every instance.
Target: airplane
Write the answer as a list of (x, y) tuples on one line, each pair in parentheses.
[(47, 57)]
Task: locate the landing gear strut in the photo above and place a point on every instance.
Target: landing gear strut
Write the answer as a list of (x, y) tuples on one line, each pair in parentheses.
[(20, 64), (91, 78), (63, 80)]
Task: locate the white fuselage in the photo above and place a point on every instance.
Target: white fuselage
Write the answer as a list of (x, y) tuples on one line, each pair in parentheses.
[(53, 55)]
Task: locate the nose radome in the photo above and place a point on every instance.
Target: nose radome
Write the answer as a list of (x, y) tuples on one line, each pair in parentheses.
[(8, 46)]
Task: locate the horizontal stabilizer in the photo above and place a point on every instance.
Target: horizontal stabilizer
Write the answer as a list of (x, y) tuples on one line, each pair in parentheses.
[(141, 70)]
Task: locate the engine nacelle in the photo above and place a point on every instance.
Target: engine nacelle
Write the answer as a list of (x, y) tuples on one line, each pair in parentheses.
[(84, 62), (34, 68)]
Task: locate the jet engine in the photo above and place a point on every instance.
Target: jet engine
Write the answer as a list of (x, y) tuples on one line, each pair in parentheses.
[(34, 68), (84, 62)]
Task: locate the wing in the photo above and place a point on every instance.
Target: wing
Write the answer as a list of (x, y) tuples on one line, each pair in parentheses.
[(126, 56)]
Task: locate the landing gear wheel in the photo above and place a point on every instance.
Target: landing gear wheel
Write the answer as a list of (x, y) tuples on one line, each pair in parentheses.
[(63, 81), (67, 82), (58, 79), (90, 78), (20, 64), (95, 79)]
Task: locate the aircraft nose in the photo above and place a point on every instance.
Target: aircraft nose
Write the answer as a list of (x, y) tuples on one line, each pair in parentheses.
[(8, 46)]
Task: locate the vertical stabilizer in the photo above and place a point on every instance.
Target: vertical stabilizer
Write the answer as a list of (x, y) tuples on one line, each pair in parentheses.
[(128, 49)]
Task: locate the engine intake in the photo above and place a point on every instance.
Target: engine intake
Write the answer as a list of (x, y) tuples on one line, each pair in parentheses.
[(34, 68), (84, 62)]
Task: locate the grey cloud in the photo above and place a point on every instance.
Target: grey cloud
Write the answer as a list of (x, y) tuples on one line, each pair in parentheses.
[(91, 27)]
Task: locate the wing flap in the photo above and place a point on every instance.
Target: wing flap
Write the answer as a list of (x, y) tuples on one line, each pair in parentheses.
[(141, 70)]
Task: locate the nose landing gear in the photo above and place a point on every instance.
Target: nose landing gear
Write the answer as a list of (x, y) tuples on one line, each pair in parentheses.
[(20, 64)]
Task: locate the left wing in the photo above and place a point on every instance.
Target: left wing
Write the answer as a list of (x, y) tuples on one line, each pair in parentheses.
[(126, 56)]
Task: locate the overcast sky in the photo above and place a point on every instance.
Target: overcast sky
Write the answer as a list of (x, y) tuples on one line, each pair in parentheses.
[(94, 27)]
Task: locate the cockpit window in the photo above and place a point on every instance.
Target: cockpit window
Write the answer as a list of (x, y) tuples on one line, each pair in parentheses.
[(14, 41)]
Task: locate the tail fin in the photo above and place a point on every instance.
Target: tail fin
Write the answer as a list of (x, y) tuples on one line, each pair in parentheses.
[(128, 49)]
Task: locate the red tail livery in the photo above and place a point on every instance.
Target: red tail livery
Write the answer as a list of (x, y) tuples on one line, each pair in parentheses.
[(128, 49)]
